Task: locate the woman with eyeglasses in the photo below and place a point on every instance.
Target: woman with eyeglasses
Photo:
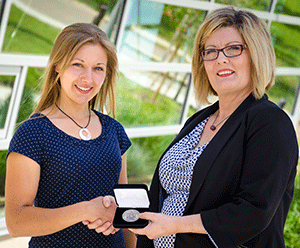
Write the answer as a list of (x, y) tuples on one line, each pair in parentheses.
[(227, 179)]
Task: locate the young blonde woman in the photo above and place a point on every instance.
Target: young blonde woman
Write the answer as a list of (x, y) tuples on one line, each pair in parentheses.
[(63, 162)]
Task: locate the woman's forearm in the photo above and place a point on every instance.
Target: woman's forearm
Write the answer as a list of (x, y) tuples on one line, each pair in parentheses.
[(190, 224), (164, 225), (35, 221)]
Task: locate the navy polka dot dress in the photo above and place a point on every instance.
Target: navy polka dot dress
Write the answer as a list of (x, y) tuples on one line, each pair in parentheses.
[(73, 170), (175, 174)]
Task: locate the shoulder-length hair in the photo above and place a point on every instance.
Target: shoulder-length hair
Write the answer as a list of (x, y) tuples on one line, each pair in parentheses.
[(257, 38), (67, 43)]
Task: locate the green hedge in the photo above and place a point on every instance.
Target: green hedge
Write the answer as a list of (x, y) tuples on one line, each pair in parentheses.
[(292, 225)]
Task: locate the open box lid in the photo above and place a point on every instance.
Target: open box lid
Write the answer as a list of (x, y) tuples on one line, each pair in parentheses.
[(132, 195)]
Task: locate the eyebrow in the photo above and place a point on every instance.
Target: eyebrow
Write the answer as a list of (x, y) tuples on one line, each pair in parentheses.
[(99, 63), (227, 44)]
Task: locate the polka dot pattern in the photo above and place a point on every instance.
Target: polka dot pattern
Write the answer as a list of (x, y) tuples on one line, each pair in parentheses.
[(73, 170), (175, 174)]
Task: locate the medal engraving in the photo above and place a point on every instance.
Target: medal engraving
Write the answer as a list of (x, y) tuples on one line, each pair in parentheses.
[(130, 215)]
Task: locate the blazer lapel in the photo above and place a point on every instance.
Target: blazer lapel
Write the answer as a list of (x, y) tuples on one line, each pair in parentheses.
[(215, 146)]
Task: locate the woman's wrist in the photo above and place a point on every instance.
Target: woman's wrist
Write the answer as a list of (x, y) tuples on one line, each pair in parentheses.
[(85, 209), (190, 224)]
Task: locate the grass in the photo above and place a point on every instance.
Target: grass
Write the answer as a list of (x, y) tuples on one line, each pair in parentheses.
[(292, 225), (135, 107), (36, 37)]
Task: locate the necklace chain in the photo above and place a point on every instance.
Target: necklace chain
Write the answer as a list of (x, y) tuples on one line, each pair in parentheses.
[(73, 119), (214, 127)]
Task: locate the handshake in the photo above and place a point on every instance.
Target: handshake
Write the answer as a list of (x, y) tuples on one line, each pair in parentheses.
[(100, 213), (107, 217)]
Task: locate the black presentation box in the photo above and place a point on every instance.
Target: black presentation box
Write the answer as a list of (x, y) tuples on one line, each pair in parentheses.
[(131, 199)]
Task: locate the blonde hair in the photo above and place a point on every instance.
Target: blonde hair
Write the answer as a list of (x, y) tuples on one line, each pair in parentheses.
[(67, 43), (257, 38)]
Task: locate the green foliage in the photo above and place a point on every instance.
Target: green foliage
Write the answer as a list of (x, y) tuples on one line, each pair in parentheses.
[(287, 49), (135, 108), (27, 105), (254, 4), (36, 36), (2, 171), (292, 225), (4, 105), (290, 7), (284, 87), (143, 156)]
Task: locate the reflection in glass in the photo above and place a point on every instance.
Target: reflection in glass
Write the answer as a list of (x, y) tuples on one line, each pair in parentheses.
[(159, 32), (32, 28), (31, 93), (6, 87), (250, 4), (143, 155), (27, 34), (287, 8), (286, 43), (150, 98), (283, 92)]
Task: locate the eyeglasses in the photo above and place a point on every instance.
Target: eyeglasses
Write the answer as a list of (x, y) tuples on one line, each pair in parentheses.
[(228, 51)]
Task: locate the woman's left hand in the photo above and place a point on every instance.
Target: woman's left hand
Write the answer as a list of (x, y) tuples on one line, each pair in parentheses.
[(159, 225)]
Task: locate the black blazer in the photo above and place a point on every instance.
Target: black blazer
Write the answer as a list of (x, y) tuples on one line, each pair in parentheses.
[(243, 181)]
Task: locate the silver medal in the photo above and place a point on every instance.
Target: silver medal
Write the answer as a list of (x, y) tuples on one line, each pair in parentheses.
[(130, 215)]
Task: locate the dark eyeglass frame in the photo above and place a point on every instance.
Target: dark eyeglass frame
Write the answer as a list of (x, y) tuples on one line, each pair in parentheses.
[(222, 50)]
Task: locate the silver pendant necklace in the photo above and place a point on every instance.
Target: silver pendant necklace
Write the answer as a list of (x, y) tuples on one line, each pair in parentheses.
[(84, 133)]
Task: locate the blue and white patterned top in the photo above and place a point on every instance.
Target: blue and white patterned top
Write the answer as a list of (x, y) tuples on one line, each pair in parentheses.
[(175, 174), (73, 170)]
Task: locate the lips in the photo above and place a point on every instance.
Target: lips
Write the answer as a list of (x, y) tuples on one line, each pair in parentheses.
[(84, 89)]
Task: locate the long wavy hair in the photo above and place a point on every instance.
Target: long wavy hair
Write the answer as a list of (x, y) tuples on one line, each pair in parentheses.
[(66, 44)]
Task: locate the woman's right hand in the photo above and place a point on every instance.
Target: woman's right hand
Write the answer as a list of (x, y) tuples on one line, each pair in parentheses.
[(103, 208)]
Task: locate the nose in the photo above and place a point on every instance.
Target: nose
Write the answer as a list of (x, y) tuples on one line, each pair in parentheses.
[(87, 75), (222, 58)]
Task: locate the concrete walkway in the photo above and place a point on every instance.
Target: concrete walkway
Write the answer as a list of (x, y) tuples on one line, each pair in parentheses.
[(8, 242)]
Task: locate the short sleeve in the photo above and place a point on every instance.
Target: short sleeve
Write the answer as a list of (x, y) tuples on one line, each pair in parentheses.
[(26, 141), (124, 141)]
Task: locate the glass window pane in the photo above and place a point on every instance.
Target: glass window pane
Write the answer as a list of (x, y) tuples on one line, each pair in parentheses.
[(27, 34), (284, 91), (143, 155), (290, 7), (159, 32), (252, 4), (150, 98), (286, 43), (31, 93), (6, 88), (2, 182), (32, 28)]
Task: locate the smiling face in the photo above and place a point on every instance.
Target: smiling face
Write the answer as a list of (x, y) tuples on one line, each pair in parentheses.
[(228, 76), (84, 76)]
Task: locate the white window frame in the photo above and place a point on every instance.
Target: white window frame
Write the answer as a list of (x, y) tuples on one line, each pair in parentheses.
[(17, 65), (14, 98)]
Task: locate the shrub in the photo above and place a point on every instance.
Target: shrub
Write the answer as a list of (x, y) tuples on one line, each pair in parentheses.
[(292, 225)]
